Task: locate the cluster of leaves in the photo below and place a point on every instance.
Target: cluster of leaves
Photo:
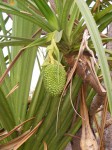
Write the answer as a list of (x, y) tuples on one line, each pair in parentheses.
[(34, 24)]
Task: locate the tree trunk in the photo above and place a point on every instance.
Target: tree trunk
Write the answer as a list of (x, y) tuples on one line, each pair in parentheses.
[(76, 141), (108, 135), (109, 45), (108, 131)]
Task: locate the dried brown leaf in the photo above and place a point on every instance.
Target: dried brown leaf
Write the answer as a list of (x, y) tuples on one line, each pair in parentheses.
[(27, 136), (45, 146), (10, 145), (103, 122), (3, 132), (11, 65), (17, 142), (88, 141), (92, 68), (73, 136), (13, 89), (15, 129)]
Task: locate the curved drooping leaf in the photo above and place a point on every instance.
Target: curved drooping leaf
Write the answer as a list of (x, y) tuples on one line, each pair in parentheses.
[(91, 25), (38, 20)]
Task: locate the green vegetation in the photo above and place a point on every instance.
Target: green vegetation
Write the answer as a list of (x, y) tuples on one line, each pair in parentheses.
[(74, 68)]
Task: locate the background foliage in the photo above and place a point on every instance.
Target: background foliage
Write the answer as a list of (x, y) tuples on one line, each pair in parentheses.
[(35, 25)]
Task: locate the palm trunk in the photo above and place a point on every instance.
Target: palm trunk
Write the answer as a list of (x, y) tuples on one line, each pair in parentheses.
[(108, 131)]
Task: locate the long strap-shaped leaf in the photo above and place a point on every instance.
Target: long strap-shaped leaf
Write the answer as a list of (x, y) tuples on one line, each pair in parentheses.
[(65, 16), (59, 8), (100, 15), (39, 20), (105, 21), (6, 116), (91, 25), (47, 12)]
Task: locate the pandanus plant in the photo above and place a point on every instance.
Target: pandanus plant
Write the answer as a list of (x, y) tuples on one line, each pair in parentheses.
[(74, 79)]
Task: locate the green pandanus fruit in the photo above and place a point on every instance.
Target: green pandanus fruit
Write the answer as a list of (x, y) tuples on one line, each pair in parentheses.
[(54, 76)]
